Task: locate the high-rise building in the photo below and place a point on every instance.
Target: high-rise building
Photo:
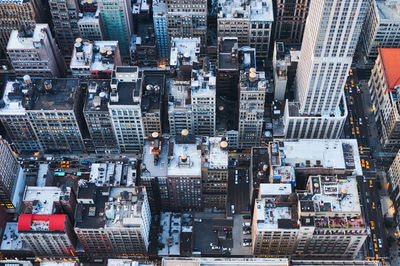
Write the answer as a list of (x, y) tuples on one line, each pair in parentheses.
[(113, 222), (384, 87), (15, 119), (90, 26), (187, 20), (160, 28), (98, 120), (125, 108), (143, 46), (329, 42), (65, 24), (203, 99), (33, 51), (228, 67), (117, 20), (290, 20), (381, 27), (12, 178), (184, 174), (252, 89), (215, 173), (179, 109), (249, 21), (14, 14)]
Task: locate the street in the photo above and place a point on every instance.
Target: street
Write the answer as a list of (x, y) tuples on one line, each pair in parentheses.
[(359, 125)]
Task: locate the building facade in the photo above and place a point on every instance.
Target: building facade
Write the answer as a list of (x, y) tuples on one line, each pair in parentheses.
[(381, 27), (90, 26), (65, 24), (117, 20), (251, 22), (12, 178), (394, 180), (187, 20), (160, 28), (290, 20), (384, 89), (252, 89), (33, 51)]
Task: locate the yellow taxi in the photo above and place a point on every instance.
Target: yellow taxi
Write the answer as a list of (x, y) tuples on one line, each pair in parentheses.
[(374, 237), (373, 205), (376, 256), (367, 164), (352, 131), (370, 183), (358, 130), (352, 82), (361, 150), (375, 247), (351, 120), (351, 71), (372, 225), (363, 163)]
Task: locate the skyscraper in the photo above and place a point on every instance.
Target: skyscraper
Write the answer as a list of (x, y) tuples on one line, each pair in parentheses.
[(252, 86), (329, 42), (117, 20), (160, 28)]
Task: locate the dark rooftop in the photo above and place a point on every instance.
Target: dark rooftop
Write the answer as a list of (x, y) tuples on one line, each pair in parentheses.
[(152, 89), (260, 158), (228, 54), (87, 215), (128, 90), (126, 69), (146, 32)]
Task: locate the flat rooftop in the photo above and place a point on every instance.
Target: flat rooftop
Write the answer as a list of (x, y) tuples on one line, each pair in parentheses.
[(82, 56), (155, 158), (25, 42), (152, 89), (275, 189), (240, 9), (189, 48), (107, 60), (228, 47), (186, 160), (179, 95), (12, 239), (129, 90), (42, 199), (326, 153), (388, 10), (217, 156), (203, 83), (171, 261), (61, 96)]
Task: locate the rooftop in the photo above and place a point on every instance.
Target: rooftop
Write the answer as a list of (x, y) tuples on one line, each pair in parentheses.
[(326, 153), (105, 56), (389, 10), (240, 9), (171, 261), (179, 95), (42, 175), (128, 83), (41, 222), (246, 83), (57, 263), (274, 189), (98, 96), (260, 164), (12, 240), (203, 81), (186, 160), (25, 39), (390, 60), (112, 174), (82, 54), (155, 157), (152, 89), (126, 262), (184, 51), (42, 199), (228, 54), (217, 155)]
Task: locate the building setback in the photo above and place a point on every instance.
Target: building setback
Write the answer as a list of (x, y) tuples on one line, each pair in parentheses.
[(33, 51), (325, 59)]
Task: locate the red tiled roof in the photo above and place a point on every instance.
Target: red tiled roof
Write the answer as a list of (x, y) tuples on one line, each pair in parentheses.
[(390, 58), (57, 222), (24, 222)]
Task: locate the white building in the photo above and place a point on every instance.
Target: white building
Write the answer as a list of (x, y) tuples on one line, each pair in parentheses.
[(90, 26), (385, 92), (179, 108), (203, 100), (381, 27), (125, 110), (33, 51), (252, 89), (326, 55), (250, 21)]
